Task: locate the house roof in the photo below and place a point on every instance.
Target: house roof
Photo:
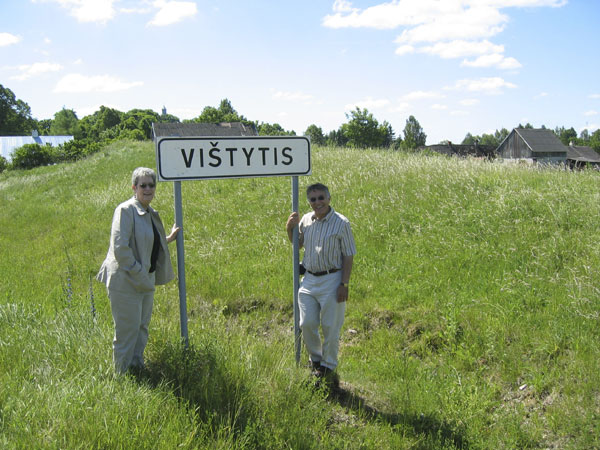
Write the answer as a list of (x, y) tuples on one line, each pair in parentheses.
[(541, 140), (461, 149), (581, 153), (203, 129), (9, 143)]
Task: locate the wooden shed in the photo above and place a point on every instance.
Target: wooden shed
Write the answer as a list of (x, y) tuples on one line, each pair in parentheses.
[(538, 145), (579, 157)]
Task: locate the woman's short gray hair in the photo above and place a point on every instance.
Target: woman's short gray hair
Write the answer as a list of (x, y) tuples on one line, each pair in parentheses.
[(142, 172)]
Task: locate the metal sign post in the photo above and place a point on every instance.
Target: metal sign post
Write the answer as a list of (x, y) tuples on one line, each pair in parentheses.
[(295, 261), (181, 264)]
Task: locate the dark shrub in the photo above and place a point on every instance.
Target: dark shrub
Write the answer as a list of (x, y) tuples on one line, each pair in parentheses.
[(3, 164), (75, 149), (32, 155)]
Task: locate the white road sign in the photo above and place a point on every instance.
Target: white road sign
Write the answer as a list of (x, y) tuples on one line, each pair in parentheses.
[(193, 158)]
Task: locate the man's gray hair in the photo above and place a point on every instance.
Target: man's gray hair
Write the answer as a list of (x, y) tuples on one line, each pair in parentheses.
[(317, 187), (142, 172)]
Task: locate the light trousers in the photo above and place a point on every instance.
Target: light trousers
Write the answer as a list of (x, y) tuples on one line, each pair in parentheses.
[(317, 301), (131, 314)]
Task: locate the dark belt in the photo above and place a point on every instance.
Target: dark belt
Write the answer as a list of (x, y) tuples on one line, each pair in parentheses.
[(320, 274)]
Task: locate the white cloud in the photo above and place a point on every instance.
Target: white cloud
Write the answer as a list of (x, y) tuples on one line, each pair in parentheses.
[(293, 96), (449, 28), (100, 11), (474, 23), (462, 48), (7, 39), (491, 85), (368, 103), (342, 6), (541, 95), (469, 102), (493, 60), (590, 113), (419, 95), (77, 83), (459, 112), (594, 96), (439, 106), (32, 70), (405, 50), (171, 12), (399, 108)]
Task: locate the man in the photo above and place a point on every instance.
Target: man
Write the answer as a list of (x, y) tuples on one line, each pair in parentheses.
[(329, 250)]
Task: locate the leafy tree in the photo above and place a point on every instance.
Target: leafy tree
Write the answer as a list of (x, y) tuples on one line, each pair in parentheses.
[(43, 126), (15, 114), (487, 139), (566, 136), (469, 139), (337, 138), (584, 136), (363, 130), (138, 119), (267, 129), (387, 134), (414, 136), (209, 114), (93, 125), (65, 123), (32, 155), (503, 134), (226, 108), (315, 134), (224, 113), (595, 140)]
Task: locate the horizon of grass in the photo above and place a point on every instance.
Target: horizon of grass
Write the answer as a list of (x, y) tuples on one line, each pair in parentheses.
[(472, 320)]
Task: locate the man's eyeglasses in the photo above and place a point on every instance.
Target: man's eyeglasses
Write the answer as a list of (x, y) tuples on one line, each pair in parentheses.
[(144, 185), (314, 199)]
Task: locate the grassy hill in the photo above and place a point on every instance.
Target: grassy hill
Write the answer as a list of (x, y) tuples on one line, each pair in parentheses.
[(473, 319)]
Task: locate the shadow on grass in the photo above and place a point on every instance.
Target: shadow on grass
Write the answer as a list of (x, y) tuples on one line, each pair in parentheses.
[(197, 376), (420, 424)]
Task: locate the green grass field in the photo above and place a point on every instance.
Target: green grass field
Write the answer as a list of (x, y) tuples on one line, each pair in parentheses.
[(473, 319)]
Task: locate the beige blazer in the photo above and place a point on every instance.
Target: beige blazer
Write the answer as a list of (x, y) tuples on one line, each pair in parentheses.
[(128, 259)]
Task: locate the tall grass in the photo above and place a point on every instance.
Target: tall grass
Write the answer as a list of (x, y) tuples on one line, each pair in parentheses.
[(472, 320)]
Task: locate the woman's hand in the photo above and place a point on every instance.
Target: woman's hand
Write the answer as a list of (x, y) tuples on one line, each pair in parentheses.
[(171, 237)]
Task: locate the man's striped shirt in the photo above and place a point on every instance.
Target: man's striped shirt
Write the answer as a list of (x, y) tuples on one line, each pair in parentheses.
[(325, 241)]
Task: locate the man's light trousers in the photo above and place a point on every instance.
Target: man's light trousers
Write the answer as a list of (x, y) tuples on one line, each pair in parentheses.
[(317, 301)]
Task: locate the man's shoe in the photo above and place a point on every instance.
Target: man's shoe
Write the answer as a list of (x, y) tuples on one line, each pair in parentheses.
[(314, 365), (328, 377)]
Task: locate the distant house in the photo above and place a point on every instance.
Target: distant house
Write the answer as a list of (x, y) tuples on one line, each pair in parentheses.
[(9, 143), (203, 129), (579, 156), (534, 145), (450, 149)]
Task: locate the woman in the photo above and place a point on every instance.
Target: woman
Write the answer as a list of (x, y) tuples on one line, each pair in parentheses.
[(137, 260)]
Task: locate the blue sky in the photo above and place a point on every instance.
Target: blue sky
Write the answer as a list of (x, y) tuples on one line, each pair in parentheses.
[(458, 66)]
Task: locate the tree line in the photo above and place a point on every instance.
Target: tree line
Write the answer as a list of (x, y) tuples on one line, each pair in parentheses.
[(362, 130)]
